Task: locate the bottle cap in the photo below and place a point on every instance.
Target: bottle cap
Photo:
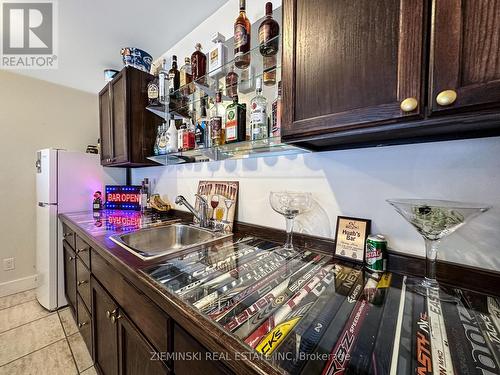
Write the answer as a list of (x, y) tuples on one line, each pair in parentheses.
[(242, 5), (174, 58), (187, 60), (235, 99), (258, 84), (198, 46), (269, 8)]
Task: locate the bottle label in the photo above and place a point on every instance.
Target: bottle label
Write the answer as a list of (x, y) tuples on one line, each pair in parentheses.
[(152, 91), (214, 57), (258, 117), (241, 39), (231, 125)]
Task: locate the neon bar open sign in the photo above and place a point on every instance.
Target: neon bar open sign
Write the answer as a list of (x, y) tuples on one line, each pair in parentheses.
[(123, 197)]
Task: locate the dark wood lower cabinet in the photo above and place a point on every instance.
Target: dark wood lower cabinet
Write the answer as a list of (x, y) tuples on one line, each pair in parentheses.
[(136, 355), (70, 276), (119, 347), (105, 332), (185, 343)]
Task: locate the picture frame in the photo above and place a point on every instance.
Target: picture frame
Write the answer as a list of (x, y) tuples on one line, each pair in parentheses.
[(222, 197), (350, 238)]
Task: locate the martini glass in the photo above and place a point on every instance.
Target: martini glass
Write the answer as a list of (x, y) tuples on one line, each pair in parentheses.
[(290, 204), (434, 220)]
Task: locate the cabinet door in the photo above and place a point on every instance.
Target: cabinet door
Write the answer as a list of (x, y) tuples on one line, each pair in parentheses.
[(136, 354), (104, 330), (70, 276), (119, 117), (105, 125), (465, 54), (350, 63)]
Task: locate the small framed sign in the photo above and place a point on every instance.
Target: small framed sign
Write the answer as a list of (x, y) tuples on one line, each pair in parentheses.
[(351, 237)]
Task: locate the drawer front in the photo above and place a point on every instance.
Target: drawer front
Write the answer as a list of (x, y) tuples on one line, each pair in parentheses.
[(150, 319), (85, 324), (68, 235), (82, 249), (83, 282)]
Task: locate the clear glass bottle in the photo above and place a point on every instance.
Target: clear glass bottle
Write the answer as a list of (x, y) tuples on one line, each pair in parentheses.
[(158, 134), (236, 126), (180, 137), (217, 118), (242, 31), (186, 77), (163, 82), (258, 113), (276, 114), (198, 65), (163, 140), (269, 30)]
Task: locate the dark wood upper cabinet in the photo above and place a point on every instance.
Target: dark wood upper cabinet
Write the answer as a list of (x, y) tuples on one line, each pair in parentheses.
[(350, 63), (128, 130), (465, 54)]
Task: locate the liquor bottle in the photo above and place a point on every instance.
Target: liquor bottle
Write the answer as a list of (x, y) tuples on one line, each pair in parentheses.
[(198, 65), (269, 30), (258, 114), (232, 83), (186, 77), (144, 196), (188, 136), (236, 121), (158, 134), (163, 140), (174, 76), (180, 137), (153, 91), (217, 56), (172, 145), (276, 114), (201, 126), (217, 117), (247, 80), (163, 82), (269, 70), (242, 29)]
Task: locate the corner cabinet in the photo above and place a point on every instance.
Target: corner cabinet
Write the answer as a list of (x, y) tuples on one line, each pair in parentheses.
[(361, 72), (127, 129)]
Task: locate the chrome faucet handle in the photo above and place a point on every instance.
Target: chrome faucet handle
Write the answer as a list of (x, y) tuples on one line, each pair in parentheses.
[(202, 200)]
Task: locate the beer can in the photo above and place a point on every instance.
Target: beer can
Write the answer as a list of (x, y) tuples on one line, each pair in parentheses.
[(376, 253)]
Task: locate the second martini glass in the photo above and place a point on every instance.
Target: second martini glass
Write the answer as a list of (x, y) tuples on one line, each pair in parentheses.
[(435, 219)]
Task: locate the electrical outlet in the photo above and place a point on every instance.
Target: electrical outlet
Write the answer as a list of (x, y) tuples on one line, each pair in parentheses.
[(8, 264)]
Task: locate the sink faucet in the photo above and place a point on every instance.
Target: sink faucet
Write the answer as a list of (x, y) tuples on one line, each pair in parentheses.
[(201, 215)]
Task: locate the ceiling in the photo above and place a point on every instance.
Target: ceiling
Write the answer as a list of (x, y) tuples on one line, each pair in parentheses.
[(92, 32)]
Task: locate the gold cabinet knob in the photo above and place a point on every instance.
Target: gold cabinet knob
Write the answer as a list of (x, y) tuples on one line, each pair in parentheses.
[(446, 97), (409, 104)]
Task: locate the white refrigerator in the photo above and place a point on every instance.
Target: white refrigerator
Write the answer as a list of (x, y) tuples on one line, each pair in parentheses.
[(65, 182)]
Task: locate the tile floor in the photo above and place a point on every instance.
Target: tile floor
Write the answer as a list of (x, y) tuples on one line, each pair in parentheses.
[(36, 341)]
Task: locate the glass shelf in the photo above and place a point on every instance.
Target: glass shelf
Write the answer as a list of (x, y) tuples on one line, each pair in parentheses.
[(182, 101), (240, 150)]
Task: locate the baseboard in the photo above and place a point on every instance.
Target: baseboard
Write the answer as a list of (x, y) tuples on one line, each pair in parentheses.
[(17, 286)]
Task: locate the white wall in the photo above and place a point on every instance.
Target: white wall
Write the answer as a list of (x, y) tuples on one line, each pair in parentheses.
[(34, 114), (355, 182)]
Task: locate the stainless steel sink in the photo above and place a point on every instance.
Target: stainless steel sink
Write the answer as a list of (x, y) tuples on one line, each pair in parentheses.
[(155, 242)]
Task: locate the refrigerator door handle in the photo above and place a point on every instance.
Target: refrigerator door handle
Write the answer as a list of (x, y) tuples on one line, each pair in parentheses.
[(43, 204)]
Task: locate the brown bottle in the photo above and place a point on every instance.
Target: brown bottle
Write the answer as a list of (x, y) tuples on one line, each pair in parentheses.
[(198, 65), (242, 29), (268, 33), (232, 83)]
